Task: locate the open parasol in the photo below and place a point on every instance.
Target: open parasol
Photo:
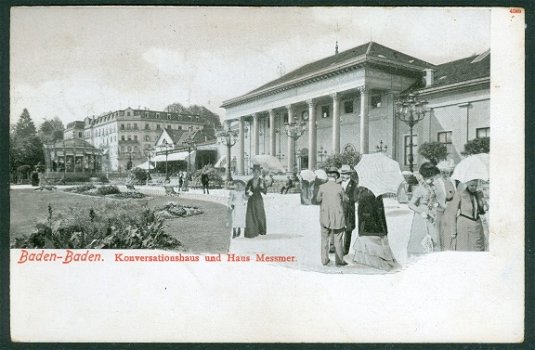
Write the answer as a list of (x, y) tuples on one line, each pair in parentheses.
[(474, 167), (379, 174), (307, 175), (268, 162)]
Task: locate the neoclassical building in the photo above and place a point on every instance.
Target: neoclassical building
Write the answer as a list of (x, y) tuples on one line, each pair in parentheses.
[(130, 134), (347, 101)]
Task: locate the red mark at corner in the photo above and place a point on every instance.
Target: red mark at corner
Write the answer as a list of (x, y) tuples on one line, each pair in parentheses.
[(515, 10)]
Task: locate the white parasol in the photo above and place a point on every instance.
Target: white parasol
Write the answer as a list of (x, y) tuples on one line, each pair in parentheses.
[(446, 165), (307, 175), (321, 174), (268, 162), (379, 174), (473, 167)]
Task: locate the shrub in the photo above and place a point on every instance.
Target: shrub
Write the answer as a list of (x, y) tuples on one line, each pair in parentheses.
[(114, 225), (347, 157), (70, 177), (433, 151), (140, 176), (216, 181), (109, 189), (476, 146)]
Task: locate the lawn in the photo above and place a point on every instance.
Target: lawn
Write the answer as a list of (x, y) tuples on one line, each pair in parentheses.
[(205, 233)]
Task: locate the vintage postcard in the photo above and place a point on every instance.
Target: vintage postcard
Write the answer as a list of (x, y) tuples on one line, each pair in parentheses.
[(267, 174)]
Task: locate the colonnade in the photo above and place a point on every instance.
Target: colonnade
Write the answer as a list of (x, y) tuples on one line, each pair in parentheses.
[(310, 126)]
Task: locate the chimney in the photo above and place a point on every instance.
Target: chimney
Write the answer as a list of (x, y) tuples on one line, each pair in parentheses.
[(429, 77)]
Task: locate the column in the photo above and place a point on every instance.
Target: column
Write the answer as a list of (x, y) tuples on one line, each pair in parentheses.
[(312, 145), (336, 123), (291, 143), (364, 119), (256, 144), (241, 146), (272, 140)]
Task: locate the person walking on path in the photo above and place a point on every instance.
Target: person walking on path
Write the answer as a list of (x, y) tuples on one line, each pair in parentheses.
[(180, 181), (289, 184), (237, 203), (255, 219), (350, 186), (331, 199), (426, 200), (205, 181), (371, 246), (468, 204)]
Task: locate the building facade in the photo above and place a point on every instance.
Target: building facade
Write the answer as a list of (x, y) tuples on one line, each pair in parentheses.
[(130, 134), (347, 102)]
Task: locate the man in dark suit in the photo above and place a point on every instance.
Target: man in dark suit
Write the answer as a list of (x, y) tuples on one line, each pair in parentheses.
[(331, 198), (350, 185), (205, 181)]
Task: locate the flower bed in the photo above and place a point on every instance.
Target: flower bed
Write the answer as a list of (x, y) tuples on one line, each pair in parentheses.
[(173, 210)]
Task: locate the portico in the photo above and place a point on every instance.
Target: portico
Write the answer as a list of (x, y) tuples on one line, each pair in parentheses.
[(339, 99)]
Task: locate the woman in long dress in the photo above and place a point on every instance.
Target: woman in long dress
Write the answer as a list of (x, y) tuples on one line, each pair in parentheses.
[(371, 246), (467, 229), (444, 229), (255, 219), (427, 199)]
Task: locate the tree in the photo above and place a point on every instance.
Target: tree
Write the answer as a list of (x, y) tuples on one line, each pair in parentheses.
[(433, 151), (475, 146), (337, 160), (25, 126), (26, 147), (205, 114), (51, 130)]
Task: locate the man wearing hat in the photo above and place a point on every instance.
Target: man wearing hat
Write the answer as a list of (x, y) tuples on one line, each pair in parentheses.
[(350, 186), (331, 199)]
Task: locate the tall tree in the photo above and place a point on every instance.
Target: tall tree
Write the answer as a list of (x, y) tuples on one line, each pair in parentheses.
[(26, 147), (25, 126), (51, 130)]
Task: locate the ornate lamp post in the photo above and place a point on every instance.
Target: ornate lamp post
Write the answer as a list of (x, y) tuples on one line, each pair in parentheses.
[(294, 130), (189, 144), (381, 148), (167, 146), (228, 138), (410, 111), (322, 153)]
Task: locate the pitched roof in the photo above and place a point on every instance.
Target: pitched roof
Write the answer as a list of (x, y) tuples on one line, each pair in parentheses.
[(370, 50), (465, 69), (73, 143)]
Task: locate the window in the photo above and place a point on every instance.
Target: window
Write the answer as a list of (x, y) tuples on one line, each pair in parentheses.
[(128, 126), (135, 126), (122, 126), (376, 101), (168, 126), (147, 126), (180, 127), (157, 126), (80, 134), (147, 138), (129, 138), (135, 137), (285, 117), (169, 116), (146, 114), (348, 107), (325, 111), (122, 138), (407, 147), (482, 132), (158, 115), (128, 114), (129, 149), (444, 137)]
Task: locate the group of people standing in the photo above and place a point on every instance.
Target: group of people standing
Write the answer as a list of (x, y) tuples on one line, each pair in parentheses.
[(447, 214)]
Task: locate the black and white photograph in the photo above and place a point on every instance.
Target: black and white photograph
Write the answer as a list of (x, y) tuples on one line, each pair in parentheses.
[(236, 171)]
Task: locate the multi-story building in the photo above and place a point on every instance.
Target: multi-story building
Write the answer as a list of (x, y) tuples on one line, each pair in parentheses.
[(347, 101), (129, 134)]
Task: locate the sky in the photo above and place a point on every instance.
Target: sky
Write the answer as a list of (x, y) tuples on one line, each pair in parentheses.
[(71, 62)]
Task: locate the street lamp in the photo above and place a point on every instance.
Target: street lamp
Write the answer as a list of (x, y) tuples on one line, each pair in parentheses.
[(410, 111), (189, 144), (228, 138), (294, 130), (167, 147), (322, 153), (380, 148)]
